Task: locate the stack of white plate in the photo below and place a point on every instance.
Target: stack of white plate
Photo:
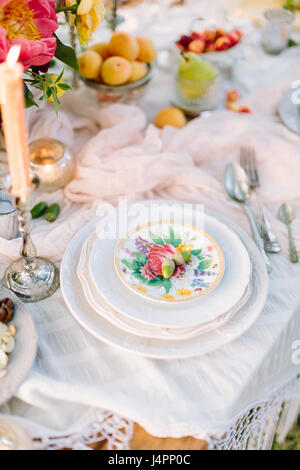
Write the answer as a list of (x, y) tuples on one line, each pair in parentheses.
[(210, 300)]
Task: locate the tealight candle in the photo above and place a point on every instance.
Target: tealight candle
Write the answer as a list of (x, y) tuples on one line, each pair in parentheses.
[(52, 162)]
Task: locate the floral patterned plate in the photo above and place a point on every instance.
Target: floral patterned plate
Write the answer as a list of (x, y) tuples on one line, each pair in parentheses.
[(169, 261)]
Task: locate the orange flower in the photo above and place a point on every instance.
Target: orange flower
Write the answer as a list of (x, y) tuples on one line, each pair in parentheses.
[(184, 292), (141, 288), (184, 247), (167, 297)]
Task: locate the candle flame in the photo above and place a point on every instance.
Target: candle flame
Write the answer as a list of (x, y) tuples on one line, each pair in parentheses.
[(13, 55)]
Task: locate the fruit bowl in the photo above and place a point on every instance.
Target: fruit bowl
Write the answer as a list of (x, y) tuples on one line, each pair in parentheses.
[(126, 93)]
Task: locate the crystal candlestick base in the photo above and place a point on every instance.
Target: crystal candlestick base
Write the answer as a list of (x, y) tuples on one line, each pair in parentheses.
[(29, 277)]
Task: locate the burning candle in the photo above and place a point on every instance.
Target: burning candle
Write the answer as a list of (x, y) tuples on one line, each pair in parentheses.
[(14, 124)]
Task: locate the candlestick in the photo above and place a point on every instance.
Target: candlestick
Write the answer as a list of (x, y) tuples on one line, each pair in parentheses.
[(31, 278), (14, 124)]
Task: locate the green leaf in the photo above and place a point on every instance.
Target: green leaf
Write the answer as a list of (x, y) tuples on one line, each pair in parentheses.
[(205, 264), (127, 263), (141, 278), (66, 54), (137, 265), (197, 253), (157, 281), (59, 77), (29, 99), (167, 285), (140, 257), (157, 239), (64, 86)]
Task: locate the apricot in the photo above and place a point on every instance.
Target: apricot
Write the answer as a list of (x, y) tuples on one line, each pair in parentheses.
[(101, 48), (90, 64), (116, 70), (123, 45), (148, 50), (138, 70), (170, 117), (197, 46)]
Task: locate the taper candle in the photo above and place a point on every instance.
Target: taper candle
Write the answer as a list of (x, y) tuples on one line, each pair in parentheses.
[(14, 124)]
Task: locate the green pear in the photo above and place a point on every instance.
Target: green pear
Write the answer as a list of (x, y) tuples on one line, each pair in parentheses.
[(198, 75), (181, 257), (168, 268)]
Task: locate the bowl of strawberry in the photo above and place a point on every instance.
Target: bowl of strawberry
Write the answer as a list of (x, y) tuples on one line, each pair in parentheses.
[(217, 45)]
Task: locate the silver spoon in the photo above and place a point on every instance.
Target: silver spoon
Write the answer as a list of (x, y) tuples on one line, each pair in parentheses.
[(237, 186), (286, 216)]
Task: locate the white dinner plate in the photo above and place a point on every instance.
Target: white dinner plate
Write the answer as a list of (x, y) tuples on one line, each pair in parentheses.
[(97, 302), (194, 313), (105, 331), (22, 357)]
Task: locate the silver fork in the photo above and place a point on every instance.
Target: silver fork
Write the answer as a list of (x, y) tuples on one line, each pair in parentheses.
[(248, 162)]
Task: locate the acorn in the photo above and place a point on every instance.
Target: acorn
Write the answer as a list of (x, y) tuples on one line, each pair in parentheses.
[(181, 257), (168, 268)]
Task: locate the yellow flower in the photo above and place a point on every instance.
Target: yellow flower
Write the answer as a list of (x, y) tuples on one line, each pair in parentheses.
[(184, 292), (167, 297), (141, 288), (91, 14), (59, 91), (184, 247)]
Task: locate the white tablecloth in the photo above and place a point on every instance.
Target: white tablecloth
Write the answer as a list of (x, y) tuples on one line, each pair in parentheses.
[(79, 386)]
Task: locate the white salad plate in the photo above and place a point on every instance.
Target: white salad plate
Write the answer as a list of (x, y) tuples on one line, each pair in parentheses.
[(98, 303), (104, 330), (201, 310), (139, 257), (21, 358)]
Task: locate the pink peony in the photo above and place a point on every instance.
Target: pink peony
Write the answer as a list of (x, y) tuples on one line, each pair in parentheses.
[(30, 23), (147, 273), (157, 255)]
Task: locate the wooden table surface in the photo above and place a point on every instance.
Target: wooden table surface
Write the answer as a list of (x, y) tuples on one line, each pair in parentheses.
[(141, 440)]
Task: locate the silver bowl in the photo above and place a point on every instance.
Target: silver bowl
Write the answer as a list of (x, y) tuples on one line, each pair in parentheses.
[(120, 93)]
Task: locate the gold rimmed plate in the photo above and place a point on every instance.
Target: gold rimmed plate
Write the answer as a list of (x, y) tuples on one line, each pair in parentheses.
[(169, 262)]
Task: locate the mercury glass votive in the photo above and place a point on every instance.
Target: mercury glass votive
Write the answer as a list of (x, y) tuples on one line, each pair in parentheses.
[(276, 30), (52, 162)]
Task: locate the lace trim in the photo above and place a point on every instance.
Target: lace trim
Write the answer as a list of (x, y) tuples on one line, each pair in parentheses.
[(116, 430), (260, 425)]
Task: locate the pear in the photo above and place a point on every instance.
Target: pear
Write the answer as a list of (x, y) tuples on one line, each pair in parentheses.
[(181, 257), (168, 268), (197, 75)]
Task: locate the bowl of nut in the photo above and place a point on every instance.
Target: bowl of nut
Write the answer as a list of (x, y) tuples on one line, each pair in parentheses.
[(118, 70), (18, 340)]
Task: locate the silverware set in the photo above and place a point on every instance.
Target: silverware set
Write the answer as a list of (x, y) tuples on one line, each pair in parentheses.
[(240, 180)]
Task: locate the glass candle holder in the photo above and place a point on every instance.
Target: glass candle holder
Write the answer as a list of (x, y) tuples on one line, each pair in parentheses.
[(52, 162), (276, 30), (193, 97), (8, 218)]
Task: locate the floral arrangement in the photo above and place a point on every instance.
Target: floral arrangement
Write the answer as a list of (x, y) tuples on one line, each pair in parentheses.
[(292, 4), (33, 24), (163, 261)]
